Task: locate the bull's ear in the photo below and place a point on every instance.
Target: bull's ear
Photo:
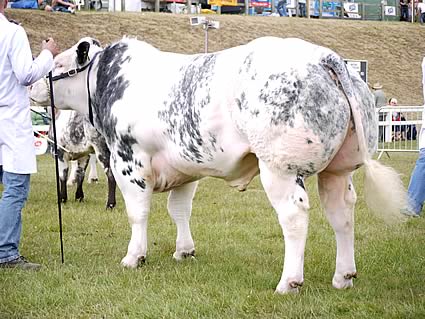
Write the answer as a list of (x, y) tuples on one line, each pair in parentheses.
[(83, 52)]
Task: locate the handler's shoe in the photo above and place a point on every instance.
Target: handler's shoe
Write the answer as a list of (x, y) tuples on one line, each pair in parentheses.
[(20, 263), (409, 213)]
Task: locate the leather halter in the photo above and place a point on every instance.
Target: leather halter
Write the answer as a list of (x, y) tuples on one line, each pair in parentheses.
[(74, 72)]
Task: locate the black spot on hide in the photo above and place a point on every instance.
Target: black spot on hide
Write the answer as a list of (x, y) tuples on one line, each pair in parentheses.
[(182, 110), (125, 147), (300, 182), (139, 182), (110, 87)]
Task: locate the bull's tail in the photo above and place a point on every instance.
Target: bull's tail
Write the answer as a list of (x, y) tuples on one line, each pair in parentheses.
[(384, 190)]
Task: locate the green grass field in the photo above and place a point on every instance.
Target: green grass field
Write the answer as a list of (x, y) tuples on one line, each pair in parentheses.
[(239, 261)]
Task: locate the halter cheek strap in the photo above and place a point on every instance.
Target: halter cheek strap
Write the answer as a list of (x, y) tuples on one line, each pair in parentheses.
[(88, 89)]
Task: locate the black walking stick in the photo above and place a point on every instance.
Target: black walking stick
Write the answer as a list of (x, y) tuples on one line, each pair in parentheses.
[(55, 147)]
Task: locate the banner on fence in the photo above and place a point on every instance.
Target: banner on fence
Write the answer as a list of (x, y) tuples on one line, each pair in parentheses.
[(221, 2), (261, 3), (390, 11), (351, 7)]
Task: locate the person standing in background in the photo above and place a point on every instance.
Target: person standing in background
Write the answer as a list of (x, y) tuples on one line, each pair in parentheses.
[(421, 11), (302, 8), (404, 10), (378, 93), (17, 154)]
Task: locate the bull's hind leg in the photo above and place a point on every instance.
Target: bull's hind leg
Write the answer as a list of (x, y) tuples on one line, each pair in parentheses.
[(93, 177), (80, 173), (180, 210), (72, 177), (135, 183), (338, 198), (289, 199)]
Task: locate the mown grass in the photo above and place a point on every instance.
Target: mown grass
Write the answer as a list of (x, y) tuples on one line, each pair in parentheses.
[(239, 260)]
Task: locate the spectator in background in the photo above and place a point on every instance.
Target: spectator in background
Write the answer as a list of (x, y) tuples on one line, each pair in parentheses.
[(57, 5), (416, 190), (380, 101), (45, 5), (281, 8), (63, 6), (17, 153), (404, 11), (421, 11), (301, 7), (378, 93), (398, 130)]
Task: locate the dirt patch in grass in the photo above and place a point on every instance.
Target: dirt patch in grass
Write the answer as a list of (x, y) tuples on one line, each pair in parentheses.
[(394, 50)]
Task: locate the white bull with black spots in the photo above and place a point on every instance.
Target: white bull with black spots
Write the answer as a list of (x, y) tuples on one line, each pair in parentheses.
[(282, 108), (80, 139)]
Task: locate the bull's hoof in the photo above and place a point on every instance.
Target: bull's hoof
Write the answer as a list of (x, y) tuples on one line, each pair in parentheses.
[(63, 200), (288, 288), (133, 262), (110, 205), (184, 255), (93, 180), (343, 281), (79, 199)]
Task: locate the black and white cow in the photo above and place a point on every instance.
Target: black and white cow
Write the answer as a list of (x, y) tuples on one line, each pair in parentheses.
[(282, 108), (80, 139)]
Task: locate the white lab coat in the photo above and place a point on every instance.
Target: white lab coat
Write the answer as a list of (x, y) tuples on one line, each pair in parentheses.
[(17, 71)]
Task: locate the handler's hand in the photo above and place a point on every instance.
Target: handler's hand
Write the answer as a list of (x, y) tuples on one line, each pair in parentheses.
[(50, 45)]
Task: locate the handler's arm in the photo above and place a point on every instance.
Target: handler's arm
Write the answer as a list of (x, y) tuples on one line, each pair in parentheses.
[(26, 69)]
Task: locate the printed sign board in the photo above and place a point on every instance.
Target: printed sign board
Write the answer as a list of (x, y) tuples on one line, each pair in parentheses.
[(40, 145), (222, 2), (390, 11), (261, 3), (351, 7), (360, 66)]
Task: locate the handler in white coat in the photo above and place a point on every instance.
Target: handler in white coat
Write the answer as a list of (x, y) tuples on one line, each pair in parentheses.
[(17, 154), (416, 189)]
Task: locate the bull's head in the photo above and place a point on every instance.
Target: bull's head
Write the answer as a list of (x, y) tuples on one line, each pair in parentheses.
[(69, 75)]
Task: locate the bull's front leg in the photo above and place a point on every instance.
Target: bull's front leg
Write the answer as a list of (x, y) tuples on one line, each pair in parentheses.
[(63, 176), (134, 178), (288, 197), (180, 210), (338, 197)]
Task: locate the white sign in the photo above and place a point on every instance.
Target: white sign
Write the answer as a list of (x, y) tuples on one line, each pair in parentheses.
[(360, 66), (40, 145), (290, 4), (355, 65), (390, 11), (351, 7)]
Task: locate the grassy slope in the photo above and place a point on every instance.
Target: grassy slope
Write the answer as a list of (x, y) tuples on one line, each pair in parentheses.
[(394, 49)]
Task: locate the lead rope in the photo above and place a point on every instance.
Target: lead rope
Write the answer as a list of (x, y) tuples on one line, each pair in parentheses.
[(55, 146)]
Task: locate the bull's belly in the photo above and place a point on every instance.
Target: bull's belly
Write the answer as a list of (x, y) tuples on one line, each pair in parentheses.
[(237, 167), (296, 151)]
